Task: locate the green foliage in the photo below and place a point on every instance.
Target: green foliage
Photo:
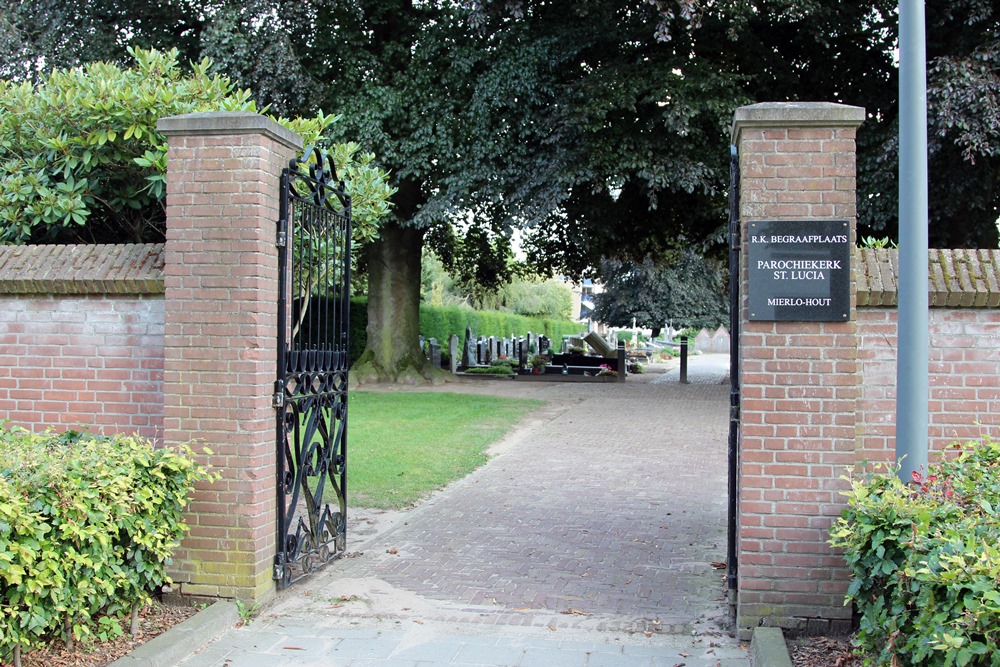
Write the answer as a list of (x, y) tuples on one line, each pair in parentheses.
[(87, 529), (500, 369), (531, 296), (442, 322), (688, 291), (81, 159), (688, 332), (926, 561), (872, 242)]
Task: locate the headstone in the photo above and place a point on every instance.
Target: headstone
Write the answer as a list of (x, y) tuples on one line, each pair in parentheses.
[(543, 344), (532, 343), (435, 352), (468, 349), (602, 346), (481, 351), (453, 353), (506, 348), (491, 351), (522, 352)]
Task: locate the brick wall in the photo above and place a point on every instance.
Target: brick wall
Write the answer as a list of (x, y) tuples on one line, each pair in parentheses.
[(221, 340), (799, 380), (81, 338), (964, 357), (819, 397)]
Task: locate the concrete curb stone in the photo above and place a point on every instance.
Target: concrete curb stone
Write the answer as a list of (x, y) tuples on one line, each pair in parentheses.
[(182, 640), (768, 648)]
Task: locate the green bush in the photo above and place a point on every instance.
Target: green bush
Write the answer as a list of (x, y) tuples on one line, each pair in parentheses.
[(499, 369), (926, 561), (87, 529)]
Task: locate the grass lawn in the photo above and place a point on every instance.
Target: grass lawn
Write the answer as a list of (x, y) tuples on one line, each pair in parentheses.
[(400, 447)]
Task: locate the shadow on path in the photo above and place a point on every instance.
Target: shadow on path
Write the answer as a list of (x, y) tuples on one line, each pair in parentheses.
[(605, 512)]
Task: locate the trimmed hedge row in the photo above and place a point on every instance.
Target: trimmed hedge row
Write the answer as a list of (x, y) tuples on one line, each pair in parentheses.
[(87, 529), (926, 561), (442, 321)]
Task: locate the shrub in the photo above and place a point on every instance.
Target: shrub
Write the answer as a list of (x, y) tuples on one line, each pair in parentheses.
[(87, 529), (499, 369), (926, 561)]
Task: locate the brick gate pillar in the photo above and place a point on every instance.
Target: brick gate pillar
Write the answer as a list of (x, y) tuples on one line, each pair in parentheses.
[(799, 380), (221, 279)]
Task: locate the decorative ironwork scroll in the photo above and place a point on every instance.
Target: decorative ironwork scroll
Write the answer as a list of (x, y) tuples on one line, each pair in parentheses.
[(314, 242)]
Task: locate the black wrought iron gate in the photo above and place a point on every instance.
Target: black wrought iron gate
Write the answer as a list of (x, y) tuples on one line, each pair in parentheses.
[(314, 276), (734, 365)]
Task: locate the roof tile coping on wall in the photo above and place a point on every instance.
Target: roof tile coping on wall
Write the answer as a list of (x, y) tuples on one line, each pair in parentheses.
[(956, 278), (82, 269)]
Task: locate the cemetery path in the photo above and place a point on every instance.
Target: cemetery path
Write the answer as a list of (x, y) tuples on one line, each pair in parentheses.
[(604, 515)]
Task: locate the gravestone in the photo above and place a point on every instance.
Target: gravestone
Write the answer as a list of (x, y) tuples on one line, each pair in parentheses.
[(543, 344), (468, 349), (481, 351), (434, 353), (453, 353)]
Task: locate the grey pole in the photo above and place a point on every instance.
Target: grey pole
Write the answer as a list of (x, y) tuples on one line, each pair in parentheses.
[(913, 341)]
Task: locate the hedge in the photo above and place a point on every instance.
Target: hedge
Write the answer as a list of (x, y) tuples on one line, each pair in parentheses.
[(87, 529), (926, 561), (442, 321)]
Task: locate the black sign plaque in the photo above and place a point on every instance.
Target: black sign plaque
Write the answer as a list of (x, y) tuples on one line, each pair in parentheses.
[(799, 270)]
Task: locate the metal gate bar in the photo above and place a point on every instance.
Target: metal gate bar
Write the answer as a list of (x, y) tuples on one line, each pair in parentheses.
[(310, 393)]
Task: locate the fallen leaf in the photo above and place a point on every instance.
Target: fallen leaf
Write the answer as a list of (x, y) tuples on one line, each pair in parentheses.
[(523, 609), (648, 633), (552, 627), (293, 648), (392, 550), (685, 655), (573, 611), (719, 565), (418, 622)]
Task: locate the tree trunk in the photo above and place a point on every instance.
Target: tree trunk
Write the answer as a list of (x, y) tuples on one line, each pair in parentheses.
[(393, 352)]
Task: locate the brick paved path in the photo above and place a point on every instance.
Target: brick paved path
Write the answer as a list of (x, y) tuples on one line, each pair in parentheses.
[(614, 511)]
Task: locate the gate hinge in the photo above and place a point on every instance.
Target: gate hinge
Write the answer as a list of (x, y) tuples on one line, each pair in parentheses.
[(281, 240), (278, 399), (734, 413)]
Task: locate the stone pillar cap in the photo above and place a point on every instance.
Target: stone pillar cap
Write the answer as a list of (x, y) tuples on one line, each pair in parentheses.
[(796, 114), (228, 122)]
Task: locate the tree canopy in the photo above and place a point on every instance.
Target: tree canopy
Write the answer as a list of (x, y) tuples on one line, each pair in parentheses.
[(687, 291), (600, 126)]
